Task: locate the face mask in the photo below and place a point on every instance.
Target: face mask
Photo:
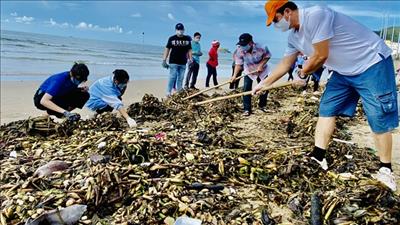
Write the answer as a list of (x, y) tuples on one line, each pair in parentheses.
[(196, 39), (180, 32), (76, 81), (245, 48), (121, 86), (283, 25)]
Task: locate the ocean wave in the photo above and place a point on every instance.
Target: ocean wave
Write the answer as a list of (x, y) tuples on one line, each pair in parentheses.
[(32, 42)]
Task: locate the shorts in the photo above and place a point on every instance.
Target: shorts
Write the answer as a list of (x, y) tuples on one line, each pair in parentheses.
[(377, 89)]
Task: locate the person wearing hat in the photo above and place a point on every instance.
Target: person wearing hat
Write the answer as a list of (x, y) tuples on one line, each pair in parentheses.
[(179, 51), (106, 95), (253, 58), (191, 76), (212, 63), (362, 67), (61, 93)]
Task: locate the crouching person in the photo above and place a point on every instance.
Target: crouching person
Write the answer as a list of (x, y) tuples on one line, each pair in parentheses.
[(106, 95), (60, 93)]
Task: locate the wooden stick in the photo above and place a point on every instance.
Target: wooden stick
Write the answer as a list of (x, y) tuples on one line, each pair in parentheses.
[(274, 86), (208, 89)]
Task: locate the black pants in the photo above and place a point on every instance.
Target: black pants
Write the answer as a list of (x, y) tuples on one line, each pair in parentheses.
[(235, 85), (248, 84), (192, 74), (107, 108), (73, 99), (211, 71), (290, 72)]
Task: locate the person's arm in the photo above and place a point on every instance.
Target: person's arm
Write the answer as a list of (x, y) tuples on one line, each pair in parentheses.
[(261, 65), (166, 54), (123, 112), (236, 71), (317, 59), (46, 102), (131, 122), (281, 69), (190, 55)]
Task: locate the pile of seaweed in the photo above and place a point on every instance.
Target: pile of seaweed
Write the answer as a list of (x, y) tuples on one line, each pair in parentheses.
[(187, 160)]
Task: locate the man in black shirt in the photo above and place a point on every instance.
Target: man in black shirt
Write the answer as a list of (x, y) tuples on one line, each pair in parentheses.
[(179, 50)]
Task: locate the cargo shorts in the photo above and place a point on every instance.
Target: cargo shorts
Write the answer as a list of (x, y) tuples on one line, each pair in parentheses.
[(377, 89)]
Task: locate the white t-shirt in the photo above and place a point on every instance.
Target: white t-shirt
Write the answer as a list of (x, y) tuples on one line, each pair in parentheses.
[(353, 48)]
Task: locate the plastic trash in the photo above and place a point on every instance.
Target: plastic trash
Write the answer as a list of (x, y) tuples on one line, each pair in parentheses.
[(69, 215), (184, 220), (51, 167), (101, 145), (100, 158), (13, 155)]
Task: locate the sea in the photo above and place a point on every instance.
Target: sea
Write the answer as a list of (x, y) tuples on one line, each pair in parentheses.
[(31, 56)]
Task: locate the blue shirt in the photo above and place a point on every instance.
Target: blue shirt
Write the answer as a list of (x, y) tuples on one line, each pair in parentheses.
[(196, 50), (58, 84), (104, 92)]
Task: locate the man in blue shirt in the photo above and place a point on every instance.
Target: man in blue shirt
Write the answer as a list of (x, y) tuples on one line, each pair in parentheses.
[(59, 94), (106, 93), (195, 65)]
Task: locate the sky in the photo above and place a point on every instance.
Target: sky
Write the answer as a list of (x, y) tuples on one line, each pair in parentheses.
[(126, 21)]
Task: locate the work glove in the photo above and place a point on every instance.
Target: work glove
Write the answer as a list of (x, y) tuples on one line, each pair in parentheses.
[(165, 64), (131, 122), (72, 116)]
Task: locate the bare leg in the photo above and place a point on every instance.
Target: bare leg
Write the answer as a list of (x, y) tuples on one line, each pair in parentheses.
[(383, 143), (324, 130)]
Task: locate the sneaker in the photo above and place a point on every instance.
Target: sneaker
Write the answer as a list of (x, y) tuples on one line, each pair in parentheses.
[(246, 113), (323, 163), (386, 177), (263, 109)]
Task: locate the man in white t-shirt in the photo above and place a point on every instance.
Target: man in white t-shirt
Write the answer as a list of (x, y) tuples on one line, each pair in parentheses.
[(362, 65)]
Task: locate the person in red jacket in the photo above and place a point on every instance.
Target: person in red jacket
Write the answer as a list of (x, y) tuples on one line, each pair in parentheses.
[(212, 63)]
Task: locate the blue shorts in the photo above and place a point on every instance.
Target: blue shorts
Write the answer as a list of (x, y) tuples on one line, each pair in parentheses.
[(377, 89)]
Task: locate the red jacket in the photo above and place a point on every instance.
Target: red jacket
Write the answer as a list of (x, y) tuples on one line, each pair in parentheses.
[(213, 56)]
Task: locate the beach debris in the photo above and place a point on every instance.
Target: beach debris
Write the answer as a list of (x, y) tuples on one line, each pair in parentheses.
[(100, 158), (69, 215), (50, 167), (184, 220), (212, 165), (265, 218), (13, 154), (211, 187), (101, 145), (316, 209)]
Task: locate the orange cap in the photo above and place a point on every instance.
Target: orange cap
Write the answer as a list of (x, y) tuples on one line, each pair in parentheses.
[(271, 7)]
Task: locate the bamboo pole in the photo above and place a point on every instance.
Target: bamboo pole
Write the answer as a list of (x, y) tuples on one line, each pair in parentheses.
[(219, 85), (274, 86)]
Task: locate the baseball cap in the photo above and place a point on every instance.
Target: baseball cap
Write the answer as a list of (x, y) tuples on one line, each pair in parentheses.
[(271, 7), (179, 26), (244, 39)]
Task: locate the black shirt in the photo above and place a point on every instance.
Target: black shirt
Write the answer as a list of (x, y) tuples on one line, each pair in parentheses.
[(180, 47)]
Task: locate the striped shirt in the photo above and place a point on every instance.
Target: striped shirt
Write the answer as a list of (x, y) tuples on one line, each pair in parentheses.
[(250, 60)]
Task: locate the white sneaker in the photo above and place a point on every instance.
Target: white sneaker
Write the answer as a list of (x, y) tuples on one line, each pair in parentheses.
[(386, 177), (323, 163)]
